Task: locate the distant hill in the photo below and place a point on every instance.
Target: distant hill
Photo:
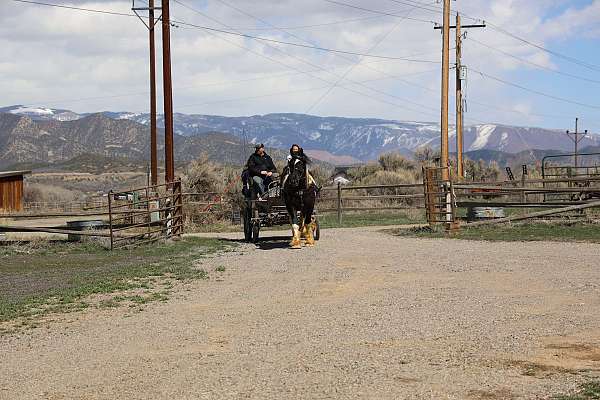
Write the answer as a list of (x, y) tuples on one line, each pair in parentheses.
[(337, 139), (94, 141), (529, 157)]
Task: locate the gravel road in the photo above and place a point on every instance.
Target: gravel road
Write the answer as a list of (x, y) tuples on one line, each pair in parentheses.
[(364, 315)]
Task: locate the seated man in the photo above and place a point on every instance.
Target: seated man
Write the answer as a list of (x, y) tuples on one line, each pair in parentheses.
[(261, 168)]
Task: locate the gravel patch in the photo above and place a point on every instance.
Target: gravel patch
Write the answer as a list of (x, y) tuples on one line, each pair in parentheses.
[(363, 315)]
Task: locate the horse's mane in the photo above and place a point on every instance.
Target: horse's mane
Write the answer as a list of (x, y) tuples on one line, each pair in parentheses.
[(296, 174)]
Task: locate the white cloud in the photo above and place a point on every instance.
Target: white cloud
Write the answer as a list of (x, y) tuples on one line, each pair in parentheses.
[(54, 54)]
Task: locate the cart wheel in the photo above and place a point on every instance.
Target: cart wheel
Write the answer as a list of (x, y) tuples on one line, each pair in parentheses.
[(247, 226), (316, 230), (255, 232)]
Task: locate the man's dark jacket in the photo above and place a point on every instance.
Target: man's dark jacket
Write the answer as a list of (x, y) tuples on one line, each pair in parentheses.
[(256, 164)]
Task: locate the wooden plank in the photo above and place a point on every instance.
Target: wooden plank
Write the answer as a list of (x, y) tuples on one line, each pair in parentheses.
[(344, 209), (384, 197), (18, 205)]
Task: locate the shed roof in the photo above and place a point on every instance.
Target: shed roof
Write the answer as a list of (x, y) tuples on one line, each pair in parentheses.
[(6, 174)]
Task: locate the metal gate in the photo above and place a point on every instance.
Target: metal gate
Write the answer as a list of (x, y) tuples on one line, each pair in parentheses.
[(440, 200), (145, 214)]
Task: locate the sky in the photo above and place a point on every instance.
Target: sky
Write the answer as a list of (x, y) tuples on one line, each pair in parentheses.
[(90, 62)]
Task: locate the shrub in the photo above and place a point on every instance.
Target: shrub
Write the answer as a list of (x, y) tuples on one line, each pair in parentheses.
[(481, 171), (395, 162), (201, 176), (40, 193), (321, 174), (426, 155), (357, 174)]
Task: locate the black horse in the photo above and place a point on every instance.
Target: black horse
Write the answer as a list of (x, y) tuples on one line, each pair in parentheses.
[(299, 192)]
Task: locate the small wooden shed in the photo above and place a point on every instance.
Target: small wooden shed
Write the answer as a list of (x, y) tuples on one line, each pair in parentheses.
[(11, 190)]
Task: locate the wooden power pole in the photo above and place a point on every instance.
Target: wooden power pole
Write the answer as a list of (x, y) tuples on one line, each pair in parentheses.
[(459, 103), (445, 79), (153, 143), (459, 93), (576, 137), (153, 146), (168, 93)]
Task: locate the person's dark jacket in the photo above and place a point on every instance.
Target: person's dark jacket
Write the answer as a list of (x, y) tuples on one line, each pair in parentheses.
[(256, 164)]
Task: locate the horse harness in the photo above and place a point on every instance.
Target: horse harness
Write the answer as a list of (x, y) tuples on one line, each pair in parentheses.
[(309, 180)]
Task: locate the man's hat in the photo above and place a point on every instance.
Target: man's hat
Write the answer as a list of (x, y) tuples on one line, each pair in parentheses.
[(259, 146)]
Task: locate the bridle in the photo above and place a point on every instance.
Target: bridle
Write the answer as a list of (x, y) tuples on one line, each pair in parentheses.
[(292, 182)]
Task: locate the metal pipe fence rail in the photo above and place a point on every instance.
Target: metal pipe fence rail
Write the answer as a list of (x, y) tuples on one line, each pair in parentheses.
[(129, 218), (152, 212), (389, 197), (145, 214), (440, 198), (63, 206)]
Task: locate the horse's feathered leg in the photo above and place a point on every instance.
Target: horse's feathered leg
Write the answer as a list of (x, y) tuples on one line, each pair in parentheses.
[(307, 215), (295, 243), (291, 209), (307, 232)]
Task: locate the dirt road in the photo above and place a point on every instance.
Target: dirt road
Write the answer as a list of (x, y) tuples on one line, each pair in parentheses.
[(364, 315)]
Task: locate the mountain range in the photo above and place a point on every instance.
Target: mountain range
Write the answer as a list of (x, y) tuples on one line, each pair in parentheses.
[(24, 142), (28, 133)]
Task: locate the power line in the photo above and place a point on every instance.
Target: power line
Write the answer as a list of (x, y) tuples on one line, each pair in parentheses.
[(554, 53), (421, 6), (316, 47), (434, 10), (539, 66), (529, 114), (247, 49), (324, 95), (352, 53), (91, 10), (286, 92), (314, 65), (340, 22), (340, 78), (510, 34), (389, 14), (308, 63), (326, 49), (550, 96), (221, 83)]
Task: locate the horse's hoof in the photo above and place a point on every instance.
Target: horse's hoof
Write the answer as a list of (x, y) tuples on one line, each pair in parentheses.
[(296, 246)]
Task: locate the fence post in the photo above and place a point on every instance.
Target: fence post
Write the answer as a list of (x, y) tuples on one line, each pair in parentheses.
[(149, 216), (110, 219), (339, 203), (523, 177), (179, 207)]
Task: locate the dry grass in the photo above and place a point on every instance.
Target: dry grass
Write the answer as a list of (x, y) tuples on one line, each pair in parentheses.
[(42, 193)]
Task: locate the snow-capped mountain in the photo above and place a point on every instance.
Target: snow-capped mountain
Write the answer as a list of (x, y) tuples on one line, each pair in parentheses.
[(357, 138), (42, 113), (365, 138)]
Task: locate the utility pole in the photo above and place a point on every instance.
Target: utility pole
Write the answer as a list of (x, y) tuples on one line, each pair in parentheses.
[(460, 76), (150, 25), (168, 93), (445, 79), (153, 144), (576, 137), (459, 103)]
